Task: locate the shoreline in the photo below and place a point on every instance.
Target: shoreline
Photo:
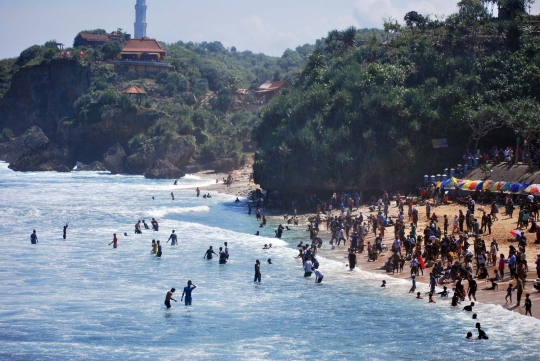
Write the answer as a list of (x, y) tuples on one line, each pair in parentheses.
[(495, 297), (500, 229)]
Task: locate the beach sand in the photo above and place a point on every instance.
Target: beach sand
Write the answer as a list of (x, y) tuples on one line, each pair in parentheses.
[(500, 230)]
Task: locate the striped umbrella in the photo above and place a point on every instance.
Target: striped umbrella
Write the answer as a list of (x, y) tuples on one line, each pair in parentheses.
[(479, 185), (487, 184), (497, 186), (533, 189), (471, 185), (450, 183), (506, 186)]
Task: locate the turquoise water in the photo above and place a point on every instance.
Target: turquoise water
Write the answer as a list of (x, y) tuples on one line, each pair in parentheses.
[(82, 299)]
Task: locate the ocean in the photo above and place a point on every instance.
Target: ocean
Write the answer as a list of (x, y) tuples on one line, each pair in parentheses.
[(81, 299)]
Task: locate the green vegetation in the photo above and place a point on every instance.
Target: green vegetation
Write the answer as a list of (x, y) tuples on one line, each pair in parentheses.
[(363, 116)]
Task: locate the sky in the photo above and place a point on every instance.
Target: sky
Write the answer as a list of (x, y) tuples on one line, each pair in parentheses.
[(268, 27)]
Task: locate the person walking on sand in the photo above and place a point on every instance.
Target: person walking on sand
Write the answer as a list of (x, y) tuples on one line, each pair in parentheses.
[(509, 293), (257, 271), (169, 297), (33, 237), (114, 241), (65, 230), (187, 292), (528, 305)]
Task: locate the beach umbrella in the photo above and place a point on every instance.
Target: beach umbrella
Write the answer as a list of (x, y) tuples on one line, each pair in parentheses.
[(533, 189), (518, 187), (506, 186), (497, 186), (487, 184), (464, 184), (479, 186), (438, 185), (450, 183), (515, 232), (471, 185)]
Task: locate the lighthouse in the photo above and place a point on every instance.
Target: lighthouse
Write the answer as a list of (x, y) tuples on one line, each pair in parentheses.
[(140, 19)]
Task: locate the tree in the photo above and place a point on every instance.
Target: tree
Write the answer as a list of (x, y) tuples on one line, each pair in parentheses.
[(413, 19)]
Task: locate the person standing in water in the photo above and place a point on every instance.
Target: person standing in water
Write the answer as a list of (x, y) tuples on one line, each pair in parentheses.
[(114, 241), (65, 230), (173, 238), (158, 249), (222, 256), (257, 271), (226, 250), (208, 253), (154, 246), (187, 292), (33, 237), (169, 297), (198, 191), (172, 196)]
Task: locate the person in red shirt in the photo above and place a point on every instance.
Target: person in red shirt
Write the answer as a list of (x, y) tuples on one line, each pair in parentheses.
[(115, 241)]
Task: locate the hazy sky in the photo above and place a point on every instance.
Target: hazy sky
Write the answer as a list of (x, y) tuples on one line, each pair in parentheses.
[(260, 26)]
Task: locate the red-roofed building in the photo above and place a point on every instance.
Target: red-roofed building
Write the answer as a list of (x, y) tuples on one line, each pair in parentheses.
[(270, 89), (143, 50), (144, 56)]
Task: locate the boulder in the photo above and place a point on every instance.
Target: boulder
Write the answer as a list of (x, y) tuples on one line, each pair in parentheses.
[(45, 158), (114, 159), (92, 167), (177, 151), (33, 138), (164, 169), (224, 165), (62, 169)]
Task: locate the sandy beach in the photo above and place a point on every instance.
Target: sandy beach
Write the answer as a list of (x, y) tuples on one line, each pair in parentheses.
[(500, 230)]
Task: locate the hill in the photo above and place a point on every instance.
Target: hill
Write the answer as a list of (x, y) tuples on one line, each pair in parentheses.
[(363, 115)]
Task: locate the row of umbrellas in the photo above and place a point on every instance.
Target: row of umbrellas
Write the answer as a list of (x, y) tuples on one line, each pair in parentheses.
[(492, 186)]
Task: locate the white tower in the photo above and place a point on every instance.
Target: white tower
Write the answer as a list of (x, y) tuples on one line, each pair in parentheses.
[(140, 19)]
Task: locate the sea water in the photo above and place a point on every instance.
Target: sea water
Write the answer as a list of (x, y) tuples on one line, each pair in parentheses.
[(81, 299)]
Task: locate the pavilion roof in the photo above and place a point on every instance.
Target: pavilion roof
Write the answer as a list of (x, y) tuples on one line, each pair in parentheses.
[(133, 90), (143, 46)]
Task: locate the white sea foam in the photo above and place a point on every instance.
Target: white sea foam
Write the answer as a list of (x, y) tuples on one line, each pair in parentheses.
[(82, 299)]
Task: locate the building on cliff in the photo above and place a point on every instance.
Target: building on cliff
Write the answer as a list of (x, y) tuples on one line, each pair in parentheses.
[(140, 19), (95, 40), (270, 89), (144, 56)]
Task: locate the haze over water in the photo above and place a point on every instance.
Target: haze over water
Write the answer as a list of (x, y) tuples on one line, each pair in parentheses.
[(82, 299)]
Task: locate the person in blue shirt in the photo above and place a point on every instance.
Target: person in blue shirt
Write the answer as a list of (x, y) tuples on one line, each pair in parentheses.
[(187, 292)]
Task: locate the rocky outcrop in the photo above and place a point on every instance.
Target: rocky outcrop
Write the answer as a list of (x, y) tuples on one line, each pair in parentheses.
[(176, 151), (164, 169), (224, 165), (114, 159), (92, 167), (33, 138), (62, 169), (48, 157), (42, 95)]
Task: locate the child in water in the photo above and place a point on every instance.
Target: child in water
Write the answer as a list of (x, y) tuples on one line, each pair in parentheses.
[(154, 246)]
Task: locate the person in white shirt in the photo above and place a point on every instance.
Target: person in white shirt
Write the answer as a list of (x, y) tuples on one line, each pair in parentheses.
[(397, 245), (318, 276), (307, 267), (340, 237)]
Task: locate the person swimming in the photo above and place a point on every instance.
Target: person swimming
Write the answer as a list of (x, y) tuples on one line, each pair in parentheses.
[(270, 261), (383, 284), (419, 296), (237, 200)]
